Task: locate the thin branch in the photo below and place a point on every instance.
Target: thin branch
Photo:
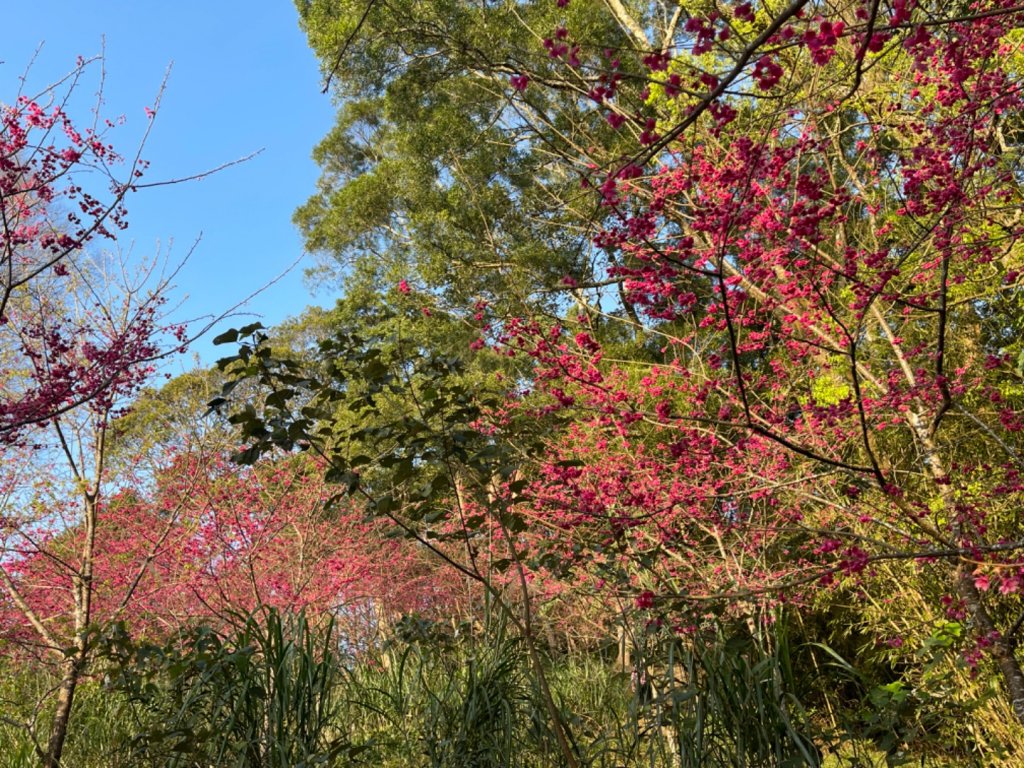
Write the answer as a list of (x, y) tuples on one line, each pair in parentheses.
[(345, 45)]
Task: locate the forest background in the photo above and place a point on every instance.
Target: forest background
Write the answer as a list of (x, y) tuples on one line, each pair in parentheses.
[(670, 413)]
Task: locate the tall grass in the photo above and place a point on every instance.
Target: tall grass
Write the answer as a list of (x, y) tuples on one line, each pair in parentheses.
[(737, 705), (458, 703), (727, 702), (278, 690), (263, 696), (101, 723)]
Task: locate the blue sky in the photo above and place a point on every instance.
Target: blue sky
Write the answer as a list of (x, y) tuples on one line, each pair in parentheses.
[(241, 80)]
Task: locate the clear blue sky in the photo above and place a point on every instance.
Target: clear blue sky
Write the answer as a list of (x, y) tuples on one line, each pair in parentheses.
[(242, 80)]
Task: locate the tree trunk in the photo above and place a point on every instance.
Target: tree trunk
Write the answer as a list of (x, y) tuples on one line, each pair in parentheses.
[(1001, 647), (75, 665), (65, 701)]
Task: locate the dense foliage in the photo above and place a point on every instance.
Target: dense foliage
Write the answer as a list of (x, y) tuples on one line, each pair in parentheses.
[(671, 413)]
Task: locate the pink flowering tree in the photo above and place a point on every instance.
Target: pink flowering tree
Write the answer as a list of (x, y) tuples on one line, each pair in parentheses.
[(214, 541), (76, 343), (816, 246)]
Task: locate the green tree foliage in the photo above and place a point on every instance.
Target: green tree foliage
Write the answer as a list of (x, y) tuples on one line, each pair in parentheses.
[(432, 172)]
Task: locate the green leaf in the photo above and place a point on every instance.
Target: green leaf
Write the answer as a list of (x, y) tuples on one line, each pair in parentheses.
[(229, 336), (280, 398), (248, 330)]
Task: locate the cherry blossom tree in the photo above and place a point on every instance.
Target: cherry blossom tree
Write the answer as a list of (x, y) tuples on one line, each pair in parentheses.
[(79, 333), (214, 541), (818, 251)]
